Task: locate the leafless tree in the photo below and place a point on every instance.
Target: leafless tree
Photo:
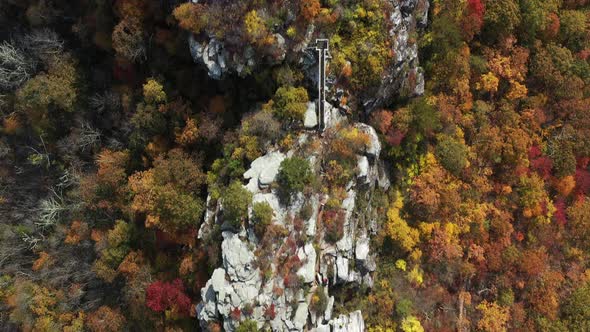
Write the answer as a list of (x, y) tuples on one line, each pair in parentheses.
[(83, 138), (50, 209), (15, 68), (32, 241), (43, 43), (69, 178), (104, 102)]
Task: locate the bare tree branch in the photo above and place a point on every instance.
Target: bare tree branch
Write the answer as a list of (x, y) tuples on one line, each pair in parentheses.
[(15, 69)]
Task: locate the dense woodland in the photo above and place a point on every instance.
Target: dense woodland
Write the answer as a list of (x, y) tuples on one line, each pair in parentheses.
[(112, 138)]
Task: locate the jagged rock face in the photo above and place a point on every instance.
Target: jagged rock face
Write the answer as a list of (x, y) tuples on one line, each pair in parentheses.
[(219, 61), (404, 76), (240, 282), (307, 255)]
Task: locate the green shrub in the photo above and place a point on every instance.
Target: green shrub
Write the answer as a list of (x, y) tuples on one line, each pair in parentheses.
[(576, 309), (290, 103), (426, 117), (451, 153), (573, 30), (248, 326), (306, 211), (403, 307), (236, 200), (262, 214), (294, 175)]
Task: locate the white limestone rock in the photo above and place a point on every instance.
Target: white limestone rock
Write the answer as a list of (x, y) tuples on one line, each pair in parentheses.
[(238, 259), (332, 115), (311, 224), (263, 171), (374, 148), (329, 309), (368, 281), (345, 244), (363, 167), (353, 322), (307, 255), (280, 47), (218, 282), (341, 268), (311, 119), (207, 309), (321, 328), (300, 319), (362, 248)]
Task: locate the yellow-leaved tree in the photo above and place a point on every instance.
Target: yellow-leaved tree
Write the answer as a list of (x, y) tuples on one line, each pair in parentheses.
[(398, 229)]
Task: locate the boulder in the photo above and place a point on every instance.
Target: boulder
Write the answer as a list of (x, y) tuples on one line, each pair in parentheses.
[(420, 83), (237, 259), (341, 268), (356, 322), (329, 309), (368, 281), (321, 328), (280, 47), (211, 56), (207, 309), (300, 319), (354, 277), (363, 167), (332, 115), (382, 177), (345, 244), (374, 147), (352, 323), (263, 171), (370, 264), (307, 255), (218, 282), (311, 118), (269, 173), (362, 248), (311, 223)]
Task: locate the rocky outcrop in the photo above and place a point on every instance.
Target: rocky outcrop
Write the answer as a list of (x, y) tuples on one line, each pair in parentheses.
[(404, 76), (276, 281), (219, 61), (351, 323), (263, 171), (235, 285), (332, 115), (272, 300)]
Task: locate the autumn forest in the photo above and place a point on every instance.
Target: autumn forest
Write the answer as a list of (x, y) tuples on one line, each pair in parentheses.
[(161, 167)]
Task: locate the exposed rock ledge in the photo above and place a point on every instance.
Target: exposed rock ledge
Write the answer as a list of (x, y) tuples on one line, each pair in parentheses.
[(239, 283)]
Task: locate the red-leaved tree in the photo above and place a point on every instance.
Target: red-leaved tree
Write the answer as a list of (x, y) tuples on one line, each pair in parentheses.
[(540, 163), (473, 18), (163, 296)]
